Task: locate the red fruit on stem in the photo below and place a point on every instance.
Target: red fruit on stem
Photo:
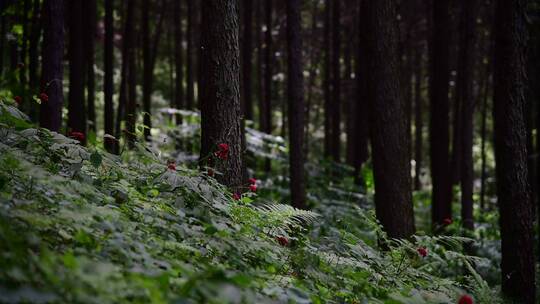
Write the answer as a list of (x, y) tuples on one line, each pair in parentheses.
[(253, 188), (283, 241), (43, 97), (210, 172), (236, 196), (466, 299), (422, 251), (252, 181), (447, 221), (18, 99)]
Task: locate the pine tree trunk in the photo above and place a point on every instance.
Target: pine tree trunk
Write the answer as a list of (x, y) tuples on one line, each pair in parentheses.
[(418, 119), (108, 84), (130, 76), (465, 96), (295, 82), (327, 80), (220, 89), (90, 18), (147, 68), (247, 54), (189, 66), (361, 107), (266, 110), (52, 72), (178, 61), (335, 110), (513, 193), (391, 166), (33, 54), (76, 109), (438, 133)]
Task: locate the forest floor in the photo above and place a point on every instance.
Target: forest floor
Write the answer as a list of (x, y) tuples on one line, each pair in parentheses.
[(80, 225)]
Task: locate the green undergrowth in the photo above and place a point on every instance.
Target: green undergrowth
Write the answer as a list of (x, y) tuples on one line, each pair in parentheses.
[(79, 225)]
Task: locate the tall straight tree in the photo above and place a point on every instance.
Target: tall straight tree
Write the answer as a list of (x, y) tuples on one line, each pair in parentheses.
[(465, 99), (438, 127), (247, 54), (327, 77), (335, 109), (190, 99), (295, 90), (360, 106), (149, 47), (108, 84), (266, 109), (33, 54), (90, 26), (127, 99), (178, 60), (52, 71), (418, 118), (76, 109), (220, 88), (513, 193), (391, 166)]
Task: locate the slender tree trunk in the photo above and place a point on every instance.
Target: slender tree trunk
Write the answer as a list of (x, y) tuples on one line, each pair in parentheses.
[(178, 60), (483, 131), (128, 86), (513, 193), (220, 88), (2, 42), (438, 135), (76, 110), (147, 67), (266, 111), (23, 79), (335, 145), (393, 199), (465, 97), (189, 64), (33, 54), (52, 72), (327, 80), (260, 59), (108, 84), (247, 52), (296, 103), (418, 119), (90, 18), (361, 107)]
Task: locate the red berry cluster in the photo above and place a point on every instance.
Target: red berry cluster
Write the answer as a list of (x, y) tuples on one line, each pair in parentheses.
[(43, 97), (422, 251), (223, 151), (76, 135), (171, 165), (466, 299), (283, 241), (252, 185)]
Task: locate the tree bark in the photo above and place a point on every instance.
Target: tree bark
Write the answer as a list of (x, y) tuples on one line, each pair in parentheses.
[(327, 79), (178, 60), (108, 84), (391, 166), (76, 109), (266, 110), (296, 103), (90, 21), (130, 76), (360, 122), (335, 110), (438, 135), (247, 54), (418, 119), (189, 64), (220, 88), (52, 72), (513, 193), (33, 54), (466, 100)]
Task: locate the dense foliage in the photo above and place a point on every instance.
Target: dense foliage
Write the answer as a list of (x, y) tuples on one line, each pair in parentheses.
[(78, 225)]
